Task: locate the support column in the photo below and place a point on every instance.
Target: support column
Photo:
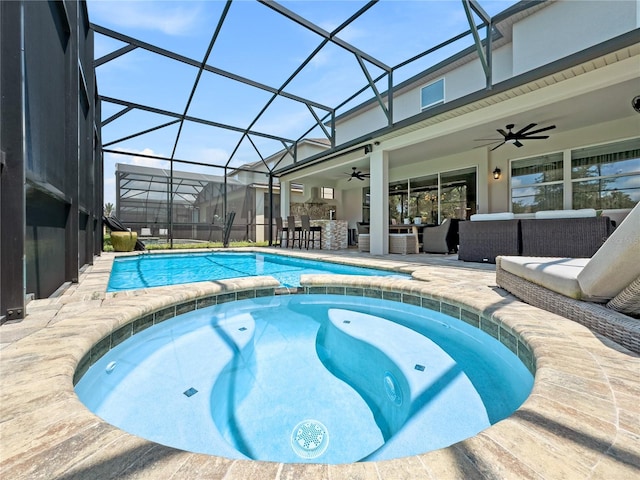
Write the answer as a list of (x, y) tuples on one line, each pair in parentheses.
[(12, 165), (379, 221), (72, 149), (285, 198)]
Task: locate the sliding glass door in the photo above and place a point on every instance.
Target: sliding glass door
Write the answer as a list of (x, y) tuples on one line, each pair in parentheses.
[(432, 198)]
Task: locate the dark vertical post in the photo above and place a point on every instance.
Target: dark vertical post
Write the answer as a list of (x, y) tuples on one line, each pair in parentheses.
[(390, 96), (118, 180), (12, 199), (270, 210), (224, 200), (489, 55), (72, 146), (170, 206), (99, 164)]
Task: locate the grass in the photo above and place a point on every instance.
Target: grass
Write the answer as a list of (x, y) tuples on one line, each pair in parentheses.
[(107, 247)]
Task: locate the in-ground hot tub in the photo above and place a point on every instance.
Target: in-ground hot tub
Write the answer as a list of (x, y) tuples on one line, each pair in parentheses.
[(307, 378)]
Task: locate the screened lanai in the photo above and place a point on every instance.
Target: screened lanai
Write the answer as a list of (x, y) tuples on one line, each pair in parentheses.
[(231, 91), (152, 201)]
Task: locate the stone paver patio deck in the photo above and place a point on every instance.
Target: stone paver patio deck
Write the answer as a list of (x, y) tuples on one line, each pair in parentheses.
[(582, 419)]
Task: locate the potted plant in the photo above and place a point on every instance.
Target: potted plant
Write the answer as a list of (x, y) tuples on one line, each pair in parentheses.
[(123, 241)]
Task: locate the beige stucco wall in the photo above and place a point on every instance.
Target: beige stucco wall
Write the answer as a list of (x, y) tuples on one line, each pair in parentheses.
[(499, 193), (565, 26)]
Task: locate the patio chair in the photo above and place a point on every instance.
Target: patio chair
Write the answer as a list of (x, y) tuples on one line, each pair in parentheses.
[(601, 292), (309, 233), (281, 232), (363, 236), (434, 239), (294, 233)]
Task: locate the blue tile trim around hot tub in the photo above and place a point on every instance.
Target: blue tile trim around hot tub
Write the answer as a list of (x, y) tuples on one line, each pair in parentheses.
[(474, 318)]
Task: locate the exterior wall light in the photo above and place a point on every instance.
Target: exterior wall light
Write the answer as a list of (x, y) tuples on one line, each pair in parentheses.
[(497, 173)]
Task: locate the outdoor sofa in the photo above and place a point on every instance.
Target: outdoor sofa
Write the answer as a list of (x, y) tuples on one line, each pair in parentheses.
[(553, 233), (601, 292), (486, 236)]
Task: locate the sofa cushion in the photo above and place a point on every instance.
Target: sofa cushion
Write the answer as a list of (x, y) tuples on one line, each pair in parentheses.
[(486, 217), (582, 213), (552, 273), (615, 265)]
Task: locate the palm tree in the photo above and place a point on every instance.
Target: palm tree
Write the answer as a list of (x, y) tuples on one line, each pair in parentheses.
[(108, 209)]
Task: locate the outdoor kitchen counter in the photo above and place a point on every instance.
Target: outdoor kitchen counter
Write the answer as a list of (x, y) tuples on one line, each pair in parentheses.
[(335, 233)]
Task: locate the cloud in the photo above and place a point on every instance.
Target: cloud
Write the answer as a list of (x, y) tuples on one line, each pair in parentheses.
[(132, 159), (215, 156), (170, 18)]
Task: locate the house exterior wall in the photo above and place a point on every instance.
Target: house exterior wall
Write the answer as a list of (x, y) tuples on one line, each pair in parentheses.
[(565, 23), (352, 206), (565, 26), (609, 132)]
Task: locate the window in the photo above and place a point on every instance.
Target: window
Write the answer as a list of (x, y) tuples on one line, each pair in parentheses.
[(423, 200), (398, 201), (326, 193), (600, 177), (432, 94), (434, 197), (537, 184), (606, 176)]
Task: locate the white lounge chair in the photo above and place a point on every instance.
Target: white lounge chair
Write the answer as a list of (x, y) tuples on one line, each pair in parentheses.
[(601, 292)]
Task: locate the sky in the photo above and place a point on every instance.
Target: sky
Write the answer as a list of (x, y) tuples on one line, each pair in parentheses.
[(259, 44)]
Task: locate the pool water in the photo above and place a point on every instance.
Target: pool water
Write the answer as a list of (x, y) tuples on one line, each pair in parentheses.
[(155, 270), (307, 378)]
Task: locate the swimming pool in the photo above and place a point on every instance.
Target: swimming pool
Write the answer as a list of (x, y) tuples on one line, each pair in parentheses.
[(154, 270), (307, 378)]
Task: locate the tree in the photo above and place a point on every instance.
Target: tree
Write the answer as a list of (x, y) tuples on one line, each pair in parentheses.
[(108, 209)]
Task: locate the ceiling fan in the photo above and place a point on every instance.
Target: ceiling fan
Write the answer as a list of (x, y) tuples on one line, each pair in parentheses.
[(356, 174), (515, 137)]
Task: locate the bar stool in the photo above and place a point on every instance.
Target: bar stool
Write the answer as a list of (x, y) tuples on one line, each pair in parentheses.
[(295, 233), (280, 232), (309, 232)]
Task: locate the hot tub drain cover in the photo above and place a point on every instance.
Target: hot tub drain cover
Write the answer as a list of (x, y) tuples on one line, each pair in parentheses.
[(309, 439)]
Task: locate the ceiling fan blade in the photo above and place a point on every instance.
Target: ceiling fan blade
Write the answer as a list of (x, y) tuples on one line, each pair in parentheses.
[(502, 132), (551, 127), (517, 144), (349, 179), (528, 127), (539, 137), (497, 146), (488, 139)]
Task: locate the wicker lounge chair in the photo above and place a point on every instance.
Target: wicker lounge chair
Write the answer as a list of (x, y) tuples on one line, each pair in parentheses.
[(602, 292)]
